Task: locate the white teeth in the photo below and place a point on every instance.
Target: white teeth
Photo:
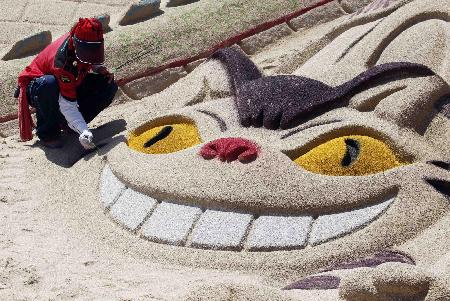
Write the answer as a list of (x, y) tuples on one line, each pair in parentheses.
[(330, 226), (183, 225), (221, 230), (110, 187), (132, 208), (279, 232), (171, 223)]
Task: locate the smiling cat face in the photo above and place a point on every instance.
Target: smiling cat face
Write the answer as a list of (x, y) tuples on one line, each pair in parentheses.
[(346, 180)]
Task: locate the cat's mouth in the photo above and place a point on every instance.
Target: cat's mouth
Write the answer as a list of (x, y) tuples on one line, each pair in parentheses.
[(193, 226)]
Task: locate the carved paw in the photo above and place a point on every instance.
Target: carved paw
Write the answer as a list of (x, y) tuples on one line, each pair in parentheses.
[(236, 292), (394, 282)]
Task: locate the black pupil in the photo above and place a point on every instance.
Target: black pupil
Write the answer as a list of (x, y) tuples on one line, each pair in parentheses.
[(165, 131), (353, 149)]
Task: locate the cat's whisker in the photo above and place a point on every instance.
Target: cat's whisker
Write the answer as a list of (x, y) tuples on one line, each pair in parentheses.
[(442, 186), (441, 164)]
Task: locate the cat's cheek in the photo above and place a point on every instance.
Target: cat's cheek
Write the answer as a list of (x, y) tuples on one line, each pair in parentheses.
[(271, 183)]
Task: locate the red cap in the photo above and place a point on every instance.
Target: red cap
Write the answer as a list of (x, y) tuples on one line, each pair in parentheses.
[(87, 36)]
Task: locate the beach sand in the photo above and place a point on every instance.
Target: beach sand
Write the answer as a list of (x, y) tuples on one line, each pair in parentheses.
[(65, 219)]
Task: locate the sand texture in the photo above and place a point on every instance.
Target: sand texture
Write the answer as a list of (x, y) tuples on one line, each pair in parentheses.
[(226, 185), (150, 37)]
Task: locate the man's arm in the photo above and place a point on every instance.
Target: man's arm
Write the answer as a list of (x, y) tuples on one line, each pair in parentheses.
[(75, 121), (73, 116)]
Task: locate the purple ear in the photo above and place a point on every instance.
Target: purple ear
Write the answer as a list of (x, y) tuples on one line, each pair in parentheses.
[(284, 101)]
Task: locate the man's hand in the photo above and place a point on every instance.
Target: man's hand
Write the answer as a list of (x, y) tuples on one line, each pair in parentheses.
[(100, 69), (86, 139)]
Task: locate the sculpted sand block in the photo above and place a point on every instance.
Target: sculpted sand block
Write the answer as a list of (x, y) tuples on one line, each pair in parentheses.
[(353, 178), (333, 200), (338, 182)]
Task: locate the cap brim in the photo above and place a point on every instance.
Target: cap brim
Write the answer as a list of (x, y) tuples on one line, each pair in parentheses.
[(89, 52)]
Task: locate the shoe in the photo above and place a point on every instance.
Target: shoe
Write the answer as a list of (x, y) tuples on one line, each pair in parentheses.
[(52, 143)]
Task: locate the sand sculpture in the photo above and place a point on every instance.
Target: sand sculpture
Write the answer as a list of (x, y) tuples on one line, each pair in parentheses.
[(366, 178), (341, 201)]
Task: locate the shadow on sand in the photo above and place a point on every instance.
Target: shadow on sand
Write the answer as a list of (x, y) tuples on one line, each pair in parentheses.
[(72, 151)]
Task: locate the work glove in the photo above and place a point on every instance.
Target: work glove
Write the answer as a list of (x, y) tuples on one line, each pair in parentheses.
[(86, 139)]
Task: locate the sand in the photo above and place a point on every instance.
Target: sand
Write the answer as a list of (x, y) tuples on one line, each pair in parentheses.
[(134, 49), (61, 240)]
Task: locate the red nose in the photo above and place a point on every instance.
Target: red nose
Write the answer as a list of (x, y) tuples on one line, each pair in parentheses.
[(230, 149)]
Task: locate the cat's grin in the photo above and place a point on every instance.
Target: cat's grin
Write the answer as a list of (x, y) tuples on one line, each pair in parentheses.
[(254, 163), (176, 223)]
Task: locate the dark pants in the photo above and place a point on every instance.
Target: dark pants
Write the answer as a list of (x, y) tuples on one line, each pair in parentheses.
[(93, 96)]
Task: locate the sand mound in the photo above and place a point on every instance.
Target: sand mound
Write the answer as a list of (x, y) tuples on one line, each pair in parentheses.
[(316, 211)]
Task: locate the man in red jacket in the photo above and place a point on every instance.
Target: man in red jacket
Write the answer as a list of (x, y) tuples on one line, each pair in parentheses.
[(60, 85)]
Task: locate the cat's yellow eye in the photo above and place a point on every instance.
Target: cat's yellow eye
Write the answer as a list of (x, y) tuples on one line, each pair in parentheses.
[(349, 156), (164, 139)]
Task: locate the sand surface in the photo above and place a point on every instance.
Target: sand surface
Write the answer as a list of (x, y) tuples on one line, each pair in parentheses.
[(59, 241), (173, 33), (42, 258)]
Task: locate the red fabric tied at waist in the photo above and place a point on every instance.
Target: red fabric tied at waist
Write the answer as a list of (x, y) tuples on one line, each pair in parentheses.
[(24, 115)]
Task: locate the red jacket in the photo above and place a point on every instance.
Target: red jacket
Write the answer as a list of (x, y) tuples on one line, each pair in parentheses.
[(56, 59)]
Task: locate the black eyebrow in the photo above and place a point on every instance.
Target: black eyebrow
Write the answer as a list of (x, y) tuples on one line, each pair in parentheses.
[(302, 128), (220, 121)]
